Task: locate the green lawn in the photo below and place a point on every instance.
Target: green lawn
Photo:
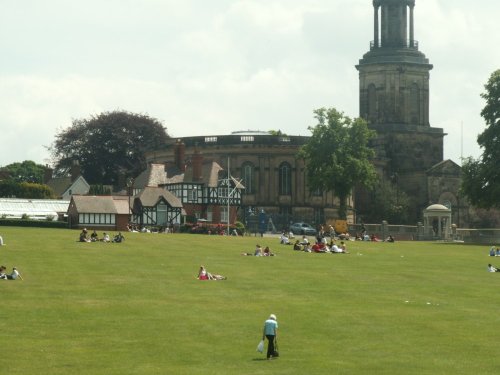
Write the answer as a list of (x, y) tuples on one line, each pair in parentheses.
[(136, 307)]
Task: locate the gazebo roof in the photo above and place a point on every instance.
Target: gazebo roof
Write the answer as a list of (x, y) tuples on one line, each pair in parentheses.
[(437, 207)]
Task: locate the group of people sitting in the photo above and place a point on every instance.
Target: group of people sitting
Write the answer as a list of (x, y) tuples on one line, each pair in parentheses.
[(203, 274), (94, 237), (12, 276), (260, 253), (320, 246), (494, 251)]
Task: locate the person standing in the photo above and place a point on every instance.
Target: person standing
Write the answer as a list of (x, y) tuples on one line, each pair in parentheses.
[(271, 333)]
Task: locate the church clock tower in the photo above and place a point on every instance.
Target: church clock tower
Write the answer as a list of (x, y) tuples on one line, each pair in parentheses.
[(394, 99)]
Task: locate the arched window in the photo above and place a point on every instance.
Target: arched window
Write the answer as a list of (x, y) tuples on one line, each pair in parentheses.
[(414, 104), (248, 176), (372, 103), (285, 179)]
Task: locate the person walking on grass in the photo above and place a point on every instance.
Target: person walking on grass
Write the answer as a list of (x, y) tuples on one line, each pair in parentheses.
[(271, 333)]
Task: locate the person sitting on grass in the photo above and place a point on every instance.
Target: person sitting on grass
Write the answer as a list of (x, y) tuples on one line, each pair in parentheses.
[(3, 276), (83, 236), (94, 237), (298, 246), (492, 268), (305, 241), (1, 241), (203, 274), (284, 240), (267, 252), (119, 238), (105, 237), (258, 251), (497, 252), (319, 247)]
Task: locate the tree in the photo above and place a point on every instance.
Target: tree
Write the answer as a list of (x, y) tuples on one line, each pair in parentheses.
[(27, 171), (27, 190), (109, 146), (387, 202), (338, 156), (481, 177)]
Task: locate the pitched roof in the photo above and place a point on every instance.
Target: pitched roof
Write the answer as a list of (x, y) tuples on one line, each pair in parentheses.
[(59, 184), (101, 204), (446, 167), (154, 175), (209, 173), (150, 196)]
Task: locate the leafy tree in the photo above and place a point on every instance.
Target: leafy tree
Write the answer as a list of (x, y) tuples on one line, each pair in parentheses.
[(108, 146), (387, 202), (338, 156), (11, 189), (99, 190), (481, 177), (27, 171)]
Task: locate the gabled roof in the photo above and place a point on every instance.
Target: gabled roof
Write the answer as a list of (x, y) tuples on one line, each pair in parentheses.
[(150, 196), (61, 185), (154, 175), (107, 204), (446, 167)]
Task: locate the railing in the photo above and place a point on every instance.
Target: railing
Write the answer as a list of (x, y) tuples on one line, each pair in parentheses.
[(412, 44)]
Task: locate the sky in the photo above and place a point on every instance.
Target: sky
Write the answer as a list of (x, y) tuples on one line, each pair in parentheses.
[(210, 67)]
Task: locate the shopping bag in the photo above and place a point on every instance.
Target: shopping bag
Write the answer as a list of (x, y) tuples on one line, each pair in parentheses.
[(260, 347)]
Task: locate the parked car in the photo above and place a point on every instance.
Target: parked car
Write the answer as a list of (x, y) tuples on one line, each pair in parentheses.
[(303, 228)]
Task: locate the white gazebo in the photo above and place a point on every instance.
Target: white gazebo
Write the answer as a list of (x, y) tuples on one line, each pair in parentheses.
[(437, 221)]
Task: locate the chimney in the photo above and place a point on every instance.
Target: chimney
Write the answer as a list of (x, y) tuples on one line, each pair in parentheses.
[(75, 170), (47, 174), (179, 154), (197, 163)]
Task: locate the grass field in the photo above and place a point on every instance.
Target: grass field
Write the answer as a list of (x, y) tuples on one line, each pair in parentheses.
[(136, 307)]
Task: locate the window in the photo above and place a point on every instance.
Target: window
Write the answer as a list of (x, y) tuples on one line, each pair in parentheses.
[(223, 214), (414, 104), (372, 103), (285, 179), (210, 139), (209, 214), (193, 194), (247, 138), (96, 218), (248, 175)]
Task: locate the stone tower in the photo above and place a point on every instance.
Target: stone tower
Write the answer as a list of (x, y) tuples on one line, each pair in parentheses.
[(394, 99)]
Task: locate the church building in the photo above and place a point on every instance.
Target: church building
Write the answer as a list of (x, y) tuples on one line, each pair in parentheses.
[(394, 99)]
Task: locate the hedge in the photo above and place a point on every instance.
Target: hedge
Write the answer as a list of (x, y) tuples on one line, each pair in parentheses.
[(33, 223)]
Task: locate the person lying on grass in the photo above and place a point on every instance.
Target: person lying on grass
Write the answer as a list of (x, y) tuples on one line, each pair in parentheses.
[(492, 268), (203, 274), (13, 275)]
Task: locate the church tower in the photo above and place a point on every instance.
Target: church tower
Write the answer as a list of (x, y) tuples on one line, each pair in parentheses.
[(394, 99)]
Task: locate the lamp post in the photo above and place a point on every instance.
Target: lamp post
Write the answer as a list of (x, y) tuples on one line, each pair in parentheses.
[(130, 188)]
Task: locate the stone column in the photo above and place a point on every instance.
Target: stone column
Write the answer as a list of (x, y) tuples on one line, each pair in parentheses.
[(375, 23), (412, 31)]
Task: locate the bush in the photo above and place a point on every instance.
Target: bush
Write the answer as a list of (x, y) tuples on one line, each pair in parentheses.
[(32, 223)]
